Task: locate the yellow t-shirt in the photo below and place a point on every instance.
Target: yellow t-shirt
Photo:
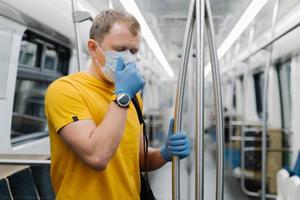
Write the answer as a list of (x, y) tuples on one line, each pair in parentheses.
[(82, 96)]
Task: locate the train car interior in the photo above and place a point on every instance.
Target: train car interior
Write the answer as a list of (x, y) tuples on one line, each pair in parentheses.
[(227, 71)]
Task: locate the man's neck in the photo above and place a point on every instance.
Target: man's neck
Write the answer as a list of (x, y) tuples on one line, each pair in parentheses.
[(92, 70)]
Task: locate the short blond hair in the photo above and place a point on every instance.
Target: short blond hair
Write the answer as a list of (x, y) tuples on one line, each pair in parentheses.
[(103, 22)]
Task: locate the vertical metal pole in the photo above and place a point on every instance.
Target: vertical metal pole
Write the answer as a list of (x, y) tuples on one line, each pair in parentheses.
[(199, 132), (265, 109), (76, 28), (179, 96), (218, 101), (244, 189)]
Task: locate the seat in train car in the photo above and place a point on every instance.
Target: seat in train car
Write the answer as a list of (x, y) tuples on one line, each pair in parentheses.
[(22, 185), (41, 176), (292, 185), (4, 190), (296, 193), (281, 179)]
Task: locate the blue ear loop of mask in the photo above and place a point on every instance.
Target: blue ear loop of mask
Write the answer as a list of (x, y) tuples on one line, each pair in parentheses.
[(111, 61)]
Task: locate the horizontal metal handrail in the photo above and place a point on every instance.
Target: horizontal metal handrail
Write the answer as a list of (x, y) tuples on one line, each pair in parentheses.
[(24, 162), (268, 149), (268, 43), (271, 41), (247, 138)]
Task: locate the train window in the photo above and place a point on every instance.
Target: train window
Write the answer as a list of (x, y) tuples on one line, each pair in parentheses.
[(284, 77), (50, 58), (28, 54), (28, 111), (259, 84), (234, 97), (241, 78), (40, 62)]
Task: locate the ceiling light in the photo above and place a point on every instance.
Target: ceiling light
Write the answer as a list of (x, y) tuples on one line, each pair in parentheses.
[(132, 8), (246, 18)]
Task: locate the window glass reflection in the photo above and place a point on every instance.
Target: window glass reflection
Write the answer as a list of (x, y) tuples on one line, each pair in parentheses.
[(50, 59), (28, 112), (41, 61), (28, 53)]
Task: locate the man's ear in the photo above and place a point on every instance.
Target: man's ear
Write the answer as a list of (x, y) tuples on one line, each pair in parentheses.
[(92, 46)]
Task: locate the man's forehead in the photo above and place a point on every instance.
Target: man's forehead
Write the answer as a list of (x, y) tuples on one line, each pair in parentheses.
[(120, 33)]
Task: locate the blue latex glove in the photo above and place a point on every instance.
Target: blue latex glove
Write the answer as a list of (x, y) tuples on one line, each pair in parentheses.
[(176, 144), (128, 80)]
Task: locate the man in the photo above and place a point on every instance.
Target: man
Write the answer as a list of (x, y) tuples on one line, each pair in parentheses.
[(95, 135)]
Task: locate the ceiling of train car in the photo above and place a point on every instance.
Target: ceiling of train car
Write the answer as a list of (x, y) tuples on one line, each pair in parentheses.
[(167, 20)]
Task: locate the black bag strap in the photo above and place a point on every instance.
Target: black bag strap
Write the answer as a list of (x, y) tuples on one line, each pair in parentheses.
[(145, 140), (146, 192), (138, 109)]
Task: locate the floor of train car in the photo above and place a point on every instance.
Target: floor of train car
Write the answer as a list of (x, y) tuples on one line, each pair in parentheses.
[(161, 180)]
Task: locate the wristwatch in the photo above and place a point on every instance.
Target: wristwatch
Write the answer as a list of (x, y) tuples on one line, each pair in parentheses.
[(122, 100)]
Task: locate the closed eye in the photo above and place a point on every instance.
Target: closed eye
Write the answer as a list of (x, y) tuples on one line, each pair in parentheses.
[(133, 51)]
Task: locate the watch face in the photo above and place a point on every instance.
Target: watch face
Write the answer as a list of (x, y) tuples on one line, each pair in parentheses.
[(123, 99)]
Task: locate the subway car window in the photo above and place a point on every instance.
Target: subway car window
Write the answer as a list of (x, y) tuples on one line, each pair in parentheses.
[(38, 67), (50, 58), (28, 54), (259, 85), (234, 97), (284, 77)]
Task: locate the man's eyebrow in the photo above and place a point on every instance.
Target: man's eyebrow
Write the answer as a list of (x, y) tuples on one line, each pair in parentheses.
[(119, 46), (134, 49)]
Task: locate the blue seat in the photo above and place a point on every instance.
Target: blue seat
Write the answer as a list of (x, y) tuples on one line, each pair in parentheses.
[(41, 176), (4, 190), (22, 185), (297, 166), (232, 157)]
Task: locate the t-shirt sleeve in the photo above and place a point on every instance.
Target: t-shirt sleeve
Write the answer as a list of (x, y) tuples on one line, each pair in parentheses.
[(64, 105)]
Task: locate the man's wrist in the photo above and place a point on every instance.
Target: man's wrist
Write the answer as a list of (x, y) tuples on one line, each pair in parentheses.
[(164, 153), (122, 100)]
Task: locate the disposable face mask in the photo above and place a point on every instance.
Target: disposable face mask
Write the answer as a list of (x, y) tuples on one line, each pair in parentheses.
[(111, 58)]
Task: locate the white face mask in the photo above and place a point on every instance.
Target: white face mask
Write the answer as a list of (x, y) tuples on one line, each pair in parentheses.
[(111, 58)]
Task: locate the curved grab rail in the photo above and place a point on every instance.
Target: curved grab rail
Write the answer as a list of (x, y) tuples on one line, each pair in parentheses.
[(199, 129), (218, 101), (179, 96)]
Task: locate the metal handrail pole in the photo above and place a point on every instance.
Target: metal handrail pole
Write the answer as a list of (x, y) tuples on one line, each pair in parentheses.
[(199, 130), (179, 96), (76, 29), (265, 109), (243, 187), (273, 40), (218, 101), (268, 43)]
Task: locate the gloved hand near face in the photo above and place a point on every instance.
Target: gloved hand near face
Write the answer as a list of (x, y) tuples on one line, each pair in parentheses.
[(128, 80), (176, 144), (120, 68)]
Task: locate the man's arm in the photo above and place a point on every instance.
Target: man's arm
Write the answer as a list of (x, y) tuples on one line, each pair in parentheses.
[(176, 145), (154, 161), (96, 145)]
